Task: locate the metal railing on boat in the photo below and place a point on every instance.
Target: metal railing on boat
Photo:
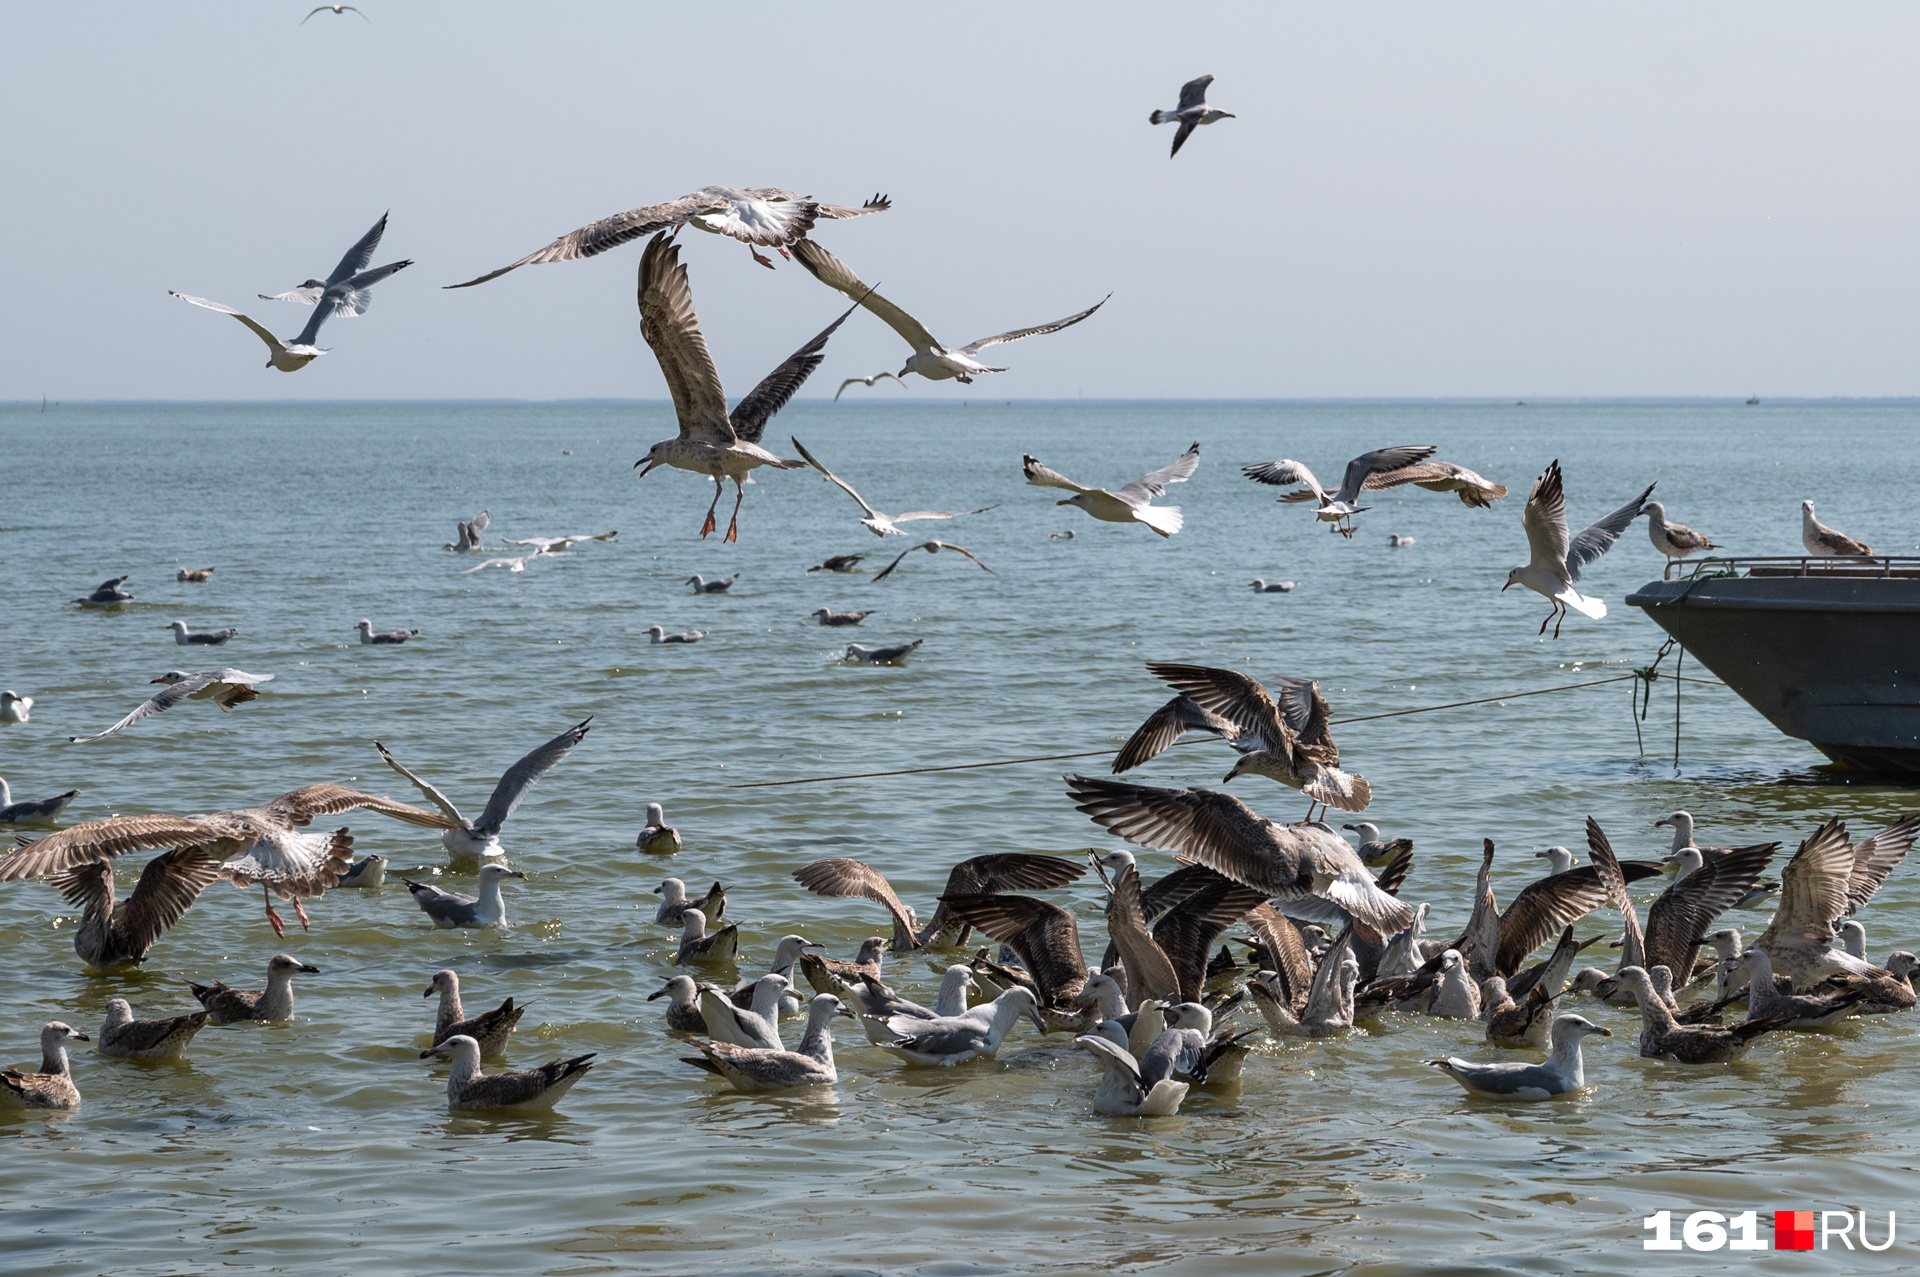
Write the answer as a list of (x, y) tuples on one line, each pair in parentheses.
[(1827, 567)]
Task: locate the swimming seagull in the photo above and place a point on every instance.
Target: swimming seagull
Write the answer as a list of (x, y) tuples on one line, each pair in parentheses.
[(979, 875), (1498, 942), (1675, 540), (340, 10), (766, 216), (52, 1087), (1562, 1073), (896, 654), (657, 836), (1337, 508), (455, 909), (490, 1028), (878, 522), (755, 1025), (1289, 862), (208, 638), (110, 939), (14, 708), (930, 359), (696, 946), (674, 902), (466, 535), (1555, 564), (224, 687), (718, 585), (660, 635), (384, 638), (366, 872), (1192, 112), (683, 1003), (1819, 539), (759, 1069), (1827, 880), (348, 291), (228, 1005), (468, 1088), (957, 1039), (1275, 587), (830, 617), (1046, 938), (1804, 1010), (512, 563), (126, 1038), (1663, 1036), (469, 840), (40, 811), (1122, 1091), (931, 547), (106, 594), (1169, 961), (712, 441), (838, 563), (196, 575), (1681, 917), (1131, 503)]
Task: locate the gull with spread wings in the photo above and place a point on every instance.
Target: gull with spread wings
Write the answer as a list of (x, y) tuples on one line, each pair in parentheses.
[(1192, 112), (348, 291), (1132, 503), (763, 215), (931, 359), (224, 687), (878, 522), (1338, 508), (471, 839), (253, 844), (1555, 564), (931, 547), (712, 441)]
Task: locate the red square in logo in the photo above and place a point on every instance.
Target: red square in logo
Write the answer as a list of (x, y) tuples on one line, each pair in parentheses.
[(1793, 1230)]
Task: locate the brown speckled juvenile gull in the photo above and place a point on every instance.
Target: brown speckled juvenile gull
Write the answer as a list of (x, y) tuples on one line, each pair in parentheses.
[(52, 1087), (229, 1005), (131, 1039), (224, 687), (979, 875), (110, 939), (490, 1029)]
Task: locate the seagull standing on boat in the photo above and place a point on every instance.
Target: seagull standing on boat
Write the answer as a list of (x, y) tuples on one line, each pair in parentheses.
[(1823, 541), (1192, 112), (224, 687), (1131, 503), (1675, 540), (470, 840), (712, 441), (930, 359), (1556, 563)]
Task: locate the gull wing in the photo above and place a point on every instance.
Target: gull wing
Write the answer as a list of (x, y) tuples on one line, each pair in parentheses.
[(1044, 935), (829, 270), (302, 296), (1165, 726), (167, 698), (360, 254), (1633, 944), (273, 343), (1379, 459), (1042, 477), (1194, 93), (1549, 904), (102, 840), (671, 328), (1813, 890), (480, 523), (351, 297), (750, 416), (1595, 540), (836, 480), (964, 553), (294, 865), (844, 877), (1150, 973), (1281, 938), (1686, 910), (1442, 476), (298, 807), (836, 212), (1232, 695), (1038, 330), (1285, 473), (912, 516), (1180, 135), (1877, 857), (1002, 871), (521, 777), (1152, 485), (432, 794), (610, 232), (167, 888), (1545, 521), (1187, 932)]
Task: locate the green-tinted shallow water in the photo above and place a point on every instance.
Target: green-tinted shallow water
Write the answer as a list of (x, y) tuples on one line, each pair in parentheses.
[(323, 1145)]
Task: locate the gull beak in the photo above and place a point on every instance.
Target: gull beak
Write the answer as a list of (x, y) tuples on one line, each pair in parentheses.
[(1605, 1033), (1504, 588), (78, 1036), (429, 993), (812, 944), (657, 993), (844, 1013), (434, 1053), (158, 680), (1664, 821), (517, 874), (1068, 501), (309, 969), (649, 463)]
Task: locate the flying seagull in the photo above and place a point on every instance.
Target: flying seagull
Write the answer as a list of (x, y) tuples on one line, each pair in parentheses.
[(347, 292), (712, 441), (470, 839), (930, 359), (1338, 508), (866, 381), (931, 547), (767, 216), (338, 10), (1192, 112), (1555, 564), (1128, 504), (296, 352), (224, 687), (878, 522)]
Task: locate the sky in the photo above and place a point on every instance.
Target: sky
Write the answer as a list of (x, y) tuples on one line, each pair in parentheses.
[(1415, 200)]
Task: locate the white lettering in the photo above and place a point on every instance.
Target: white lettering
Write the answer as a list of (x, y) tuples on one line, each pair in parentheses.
[(1843, 1232), (1887, 1244), (1747, 1224), (1661, 1223), (1703, 1231)]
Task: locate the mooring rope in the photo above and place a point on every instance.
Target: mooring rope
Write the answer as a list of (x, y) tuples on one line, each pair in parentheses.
[(1102, 753)]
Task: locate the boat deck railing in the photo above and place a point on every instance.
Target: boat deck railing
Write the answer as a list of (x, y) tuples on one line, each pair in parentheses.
[(1857, 567)]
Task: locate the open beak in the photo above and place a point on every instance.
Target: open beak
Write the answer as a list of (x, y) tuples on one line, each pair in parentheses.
[(649, 463)]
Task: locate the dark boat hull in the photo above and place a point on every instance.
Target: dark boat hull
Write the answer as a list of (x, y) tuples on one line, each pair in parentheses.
[(1830, 658)]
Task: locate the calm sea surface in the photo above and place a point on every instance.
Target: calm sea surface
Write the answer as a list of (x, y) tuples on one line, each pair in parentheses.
[(324, 1145)]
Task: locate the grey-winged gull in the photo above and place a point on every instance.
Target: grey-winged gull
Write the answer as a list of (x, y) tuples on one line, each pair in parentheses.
[(367, 872), (369, 637), (674, 902), (1675, 540), (657, 836), (126, 1038), (1129, 503), (1555, 561), (933, 546), (347, 291), (1562, 1073), (338, 11), (757, 1025), (466, 532), (683, 1003), (661, 635), (490, 1028), (718, 585), (699, 948), (228, 1005), (712, 441), (930, 358), (956, 1039), (106, 594), (1192, 112), (110, 939), (875, 521), (1396, 541), (295, 353), (894, 654), (511, 562), (455, 909), (225, 687), (1122, 1091), (1337, 508), (52, 1087), (830, 617), (31, 811), (468, 840), (14, 708), (759, 1069), (468, 1088), (557, 545), (838, 563), (199, 638), (1823, 541)]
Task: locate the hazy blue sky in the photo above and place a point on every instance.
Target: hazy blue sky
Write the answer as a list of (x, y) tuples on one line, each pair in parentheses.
[(1417, 199)]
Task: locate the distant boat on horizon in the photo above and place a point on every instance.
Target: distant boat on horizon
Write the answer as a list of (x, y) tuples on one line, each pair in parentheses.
[(1752, 400)]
